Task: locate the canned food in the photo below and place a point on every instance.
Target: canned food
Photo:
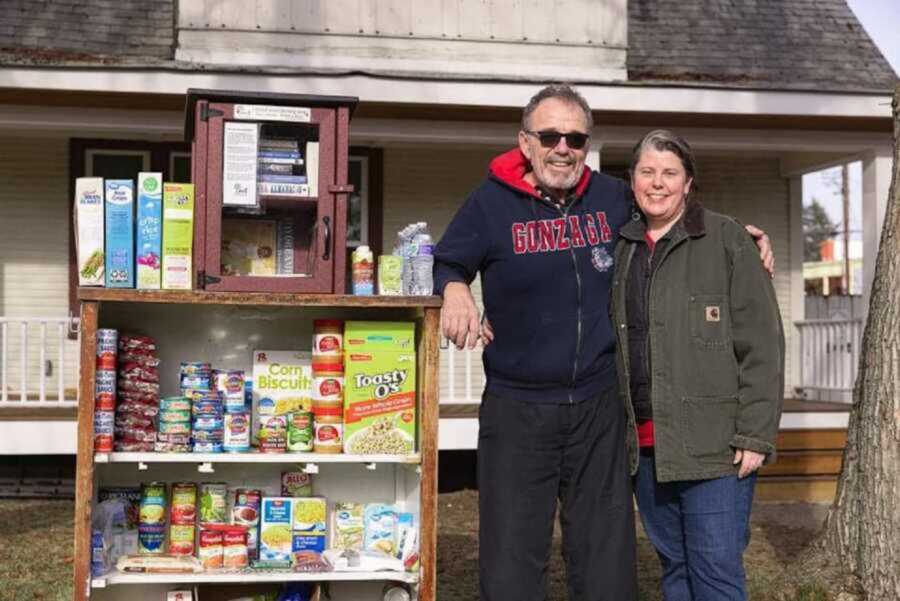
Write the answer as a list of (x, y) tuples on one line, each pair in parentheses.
[(300, 432), (181, 539), (237, 432), (328, 337), (104, 427), (174, 427), (174, 415), (190, 368), (246, 513), (213, 503), (175, 403), (273, 434), (198, 381), (212, 422), (152, 510), (217, 436), (107, 348), (184, 503), (151, 539), (211, 553), (208, 408), (174, 438), (105, 389), (208, 447), (230, 383), (234, 547)]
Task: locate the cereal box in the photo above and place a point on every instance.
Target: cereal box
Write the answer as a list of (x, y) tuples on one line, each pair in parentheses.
[(282, 384), (275, 529), (308, 528), (149, 231), (379, 388), (178, 236), (119, 233), (89, 237)]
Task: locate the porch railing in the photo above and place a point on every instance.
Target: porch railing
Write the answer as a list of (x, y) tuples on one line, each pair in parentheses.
[(829, 358), (46, 378)]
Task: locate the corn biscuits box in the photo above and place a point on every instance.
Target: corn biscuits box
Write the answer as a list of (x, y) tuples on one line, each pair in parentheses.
[(282, 384), (379, 388)]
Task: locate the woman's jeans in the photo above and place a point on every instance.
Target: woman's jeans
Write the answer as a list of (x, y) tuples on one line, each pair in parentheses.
[(700, 529)]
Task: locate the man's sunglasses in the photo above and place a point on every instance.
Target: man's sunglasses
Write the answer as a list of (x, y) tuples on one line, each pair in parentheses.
[(549, 139)]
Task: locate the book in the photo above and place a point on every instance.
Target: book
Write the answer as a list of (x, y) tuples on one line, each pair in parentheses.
[(282, 179), (275, 169), (279, 154), (280, 189), (284, 247), (312, 167), (279, 161)]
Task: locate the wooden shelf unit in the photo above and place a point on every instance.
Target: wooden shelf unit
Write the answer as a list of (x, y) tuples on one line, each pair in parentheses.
[(424, 310)]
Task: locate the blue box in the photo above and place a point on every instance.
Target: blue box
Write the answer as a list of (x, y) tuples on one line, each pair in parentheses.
[(119, 233), (149, 231)]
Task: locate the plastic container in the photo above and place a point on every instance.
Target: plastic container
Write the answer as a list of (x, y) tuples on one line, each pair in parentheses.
[(329, 428), (328, 338), (363, 271)]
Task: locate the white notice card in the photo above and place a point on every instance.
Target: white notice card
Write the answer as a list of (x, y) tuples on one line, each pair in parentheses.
[(239, 164)]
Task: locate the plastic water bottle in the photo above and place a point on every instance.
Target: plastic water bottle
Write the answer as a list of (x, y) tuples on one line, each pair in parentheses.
[(422, 264)]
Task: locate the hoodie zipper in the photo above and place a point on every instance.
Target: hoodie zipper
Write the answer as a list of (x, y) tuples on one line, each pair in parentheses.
[(578, 329)]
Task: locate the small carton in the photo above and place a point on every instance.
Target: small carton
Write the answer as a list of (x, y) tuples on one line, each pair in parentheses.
[(149, 231), (308, 528), (178, 236), (282, 383), (380, 522), (275, 529), (379, 388), (89, 238), (119, 233), (347, 526)]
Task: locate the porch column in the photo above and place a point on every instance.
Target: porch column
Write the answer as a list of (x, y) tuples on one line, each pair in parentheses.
[(876, 182), (797, 292), (593, 156)]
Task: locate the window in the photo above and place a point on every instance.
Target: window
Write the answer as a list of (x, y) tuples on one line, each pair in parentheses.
[(358, 204)]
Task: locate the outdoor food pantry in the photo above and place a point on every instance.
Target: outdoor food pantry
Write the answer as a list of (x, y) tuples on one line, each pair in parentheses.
[(248, 430)]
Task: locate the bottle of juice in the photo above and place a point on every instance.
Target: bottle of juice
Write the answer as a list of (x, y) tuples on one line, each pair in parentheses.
[(363, 271)]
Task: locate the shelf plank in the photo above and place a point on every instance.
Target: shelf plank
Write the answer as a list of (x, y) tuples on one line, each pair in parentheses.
[(203, 297), (244, 576), (252, 458)]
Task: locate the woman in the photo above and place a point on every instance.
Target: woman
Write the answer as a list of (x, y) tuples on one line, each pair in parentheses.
[(701, 360)]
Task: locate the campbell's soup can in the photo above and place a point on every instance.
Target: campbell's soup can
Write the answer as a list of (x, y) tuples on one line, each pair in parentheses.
[(237, 432), (107, 348), (211, 552), (105, 389), (104, 427)]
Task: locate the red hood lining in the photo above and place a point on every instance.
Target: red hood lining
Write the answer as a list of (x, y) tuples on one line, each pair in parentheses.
[(511, 167)]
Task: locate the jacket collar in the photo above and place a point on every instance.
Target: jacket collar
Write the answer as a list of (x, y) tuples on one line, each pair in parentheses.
[(692, 224), (510, 168)]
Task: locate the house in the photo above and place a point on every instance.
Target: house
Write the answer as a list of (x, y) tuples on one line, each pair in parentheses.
[(765, 91)]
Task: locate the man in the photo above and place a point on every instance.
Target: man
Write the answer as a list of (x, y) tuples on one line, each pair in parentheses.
[(541, 230)]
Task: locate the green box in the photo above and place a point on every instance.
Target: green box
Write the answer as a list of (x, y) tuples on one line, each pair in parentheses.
[(379, 388)]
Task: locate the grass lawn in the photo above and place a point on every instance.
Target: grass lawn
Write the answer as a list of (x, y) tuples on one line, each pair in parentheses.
[(36, 551)]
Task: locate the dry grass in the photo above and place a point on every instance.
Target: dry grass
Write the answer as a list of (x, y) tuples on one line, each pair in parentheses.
[(36, 548)]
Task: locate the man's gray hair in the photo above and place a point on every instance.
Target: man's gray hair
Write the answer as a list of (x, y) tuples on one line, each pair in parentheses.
[(662, 140), (562, 92)]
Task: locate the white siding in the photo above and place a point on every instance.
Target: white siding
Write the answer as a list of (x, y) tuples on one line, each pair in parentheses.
[(34, 247), (429, 184)]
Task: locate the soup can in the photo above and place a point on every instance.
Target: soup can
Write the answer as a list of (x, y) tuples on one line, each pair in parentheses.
[(107, 348), (300, 432), (246, 513), (105, 389), (151, 539), (230, 384), (104, 427), (213, 502)]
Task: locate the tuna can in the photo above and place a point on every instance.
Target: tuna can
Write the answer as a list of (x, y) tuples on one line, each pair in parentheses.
[(237, 432), (213, 501), (209, 423), (174, 415), (205, 436), (174, 428), (107, 348), (192, 368), (105, 389), (196, 382), (208, 409), (230, 383), (246, 513), (208, 447), (104, 427), (300, 432), (175, 403)]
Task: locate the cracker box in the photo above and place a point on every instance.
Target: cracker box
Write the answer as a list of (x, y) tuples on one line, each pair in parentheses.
[(89, 237), (178, 236), (282, 383), (119, 233), (379, 388), (148, 245), (308, 528), (275, 529)]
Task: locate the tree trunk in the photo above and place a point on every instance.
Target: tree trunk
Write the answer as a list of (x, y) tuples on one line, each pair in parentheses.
[(863, 526)]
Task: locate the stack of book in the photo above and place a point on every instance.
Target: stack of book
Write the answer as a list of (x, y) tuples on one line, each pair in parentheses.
[(281, 168)]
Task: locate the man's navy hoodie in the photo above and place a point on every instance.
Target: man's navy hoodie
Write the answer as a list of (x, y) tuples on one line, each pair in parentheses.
[(546, 274)]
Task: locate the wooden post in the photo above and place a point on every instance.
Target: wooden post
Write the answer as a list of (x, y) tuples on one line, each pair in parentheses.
[(429, 365), (84, 475)]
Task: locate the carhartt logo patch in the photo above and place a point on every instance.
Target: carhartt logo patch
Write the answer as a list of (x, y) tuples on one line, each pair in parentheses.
[(712, 313)]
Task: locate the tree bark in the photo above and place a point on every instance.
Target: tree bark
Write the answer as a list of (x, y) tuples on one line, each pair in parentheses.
[(863, 526)]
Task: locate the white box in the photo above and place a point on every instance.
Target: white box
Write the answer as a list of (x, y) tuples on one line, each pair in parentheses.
[(89, 231)]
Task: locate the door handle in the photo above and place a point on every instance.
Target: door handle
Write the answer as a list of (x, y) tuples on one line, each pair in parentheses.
[(327, 254)]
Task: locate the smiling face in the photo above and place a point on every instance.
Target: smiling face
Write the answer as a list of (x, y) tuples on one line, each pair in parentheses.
[(559, 168), (660, 186)]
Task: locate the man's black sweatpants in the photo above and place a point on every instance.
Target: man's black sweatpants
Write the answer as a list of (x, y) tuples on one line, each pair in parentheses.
[(529, 456)]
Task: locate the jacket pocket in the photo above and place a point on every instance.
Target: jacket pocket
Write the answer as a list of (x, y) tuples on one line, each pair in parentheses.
[(709, 424), (710, 320)]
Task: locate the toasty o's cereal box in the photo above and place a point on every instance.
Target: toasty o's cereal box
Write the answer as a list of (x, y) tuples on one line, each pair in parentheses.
[(379, 388)]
